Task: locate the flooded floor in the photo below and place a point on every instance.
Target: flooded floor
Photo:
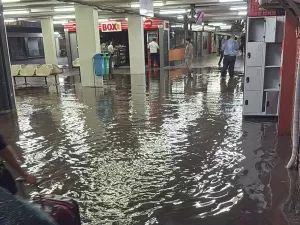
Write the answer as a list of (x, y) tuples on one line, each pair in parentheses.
[(176, 151)]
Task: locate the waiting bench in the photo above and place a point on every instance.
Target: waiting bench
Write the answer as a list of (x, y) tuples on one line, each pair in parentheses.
[(35, 70)]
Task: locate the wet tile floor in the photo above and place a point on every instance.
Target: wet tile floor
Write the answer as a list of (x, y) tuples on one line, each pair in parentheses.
[(176, 151)]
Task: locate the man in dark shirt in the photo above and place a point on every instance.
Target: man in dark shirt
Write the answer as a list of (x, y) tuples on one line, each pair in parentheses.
[(6, 180)]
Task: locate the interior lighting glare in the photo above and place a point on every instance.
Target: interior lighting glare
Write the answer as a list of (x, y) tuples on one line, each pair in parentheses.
[(242, 13), (102, 20), (225, 27), (64, 9), (216, 24), (155, 4), (9, 1), (60, 22), (238, 8), (16, 12), (178, 11), (64, 17), (230, 0), (9, 20), (180, 17)]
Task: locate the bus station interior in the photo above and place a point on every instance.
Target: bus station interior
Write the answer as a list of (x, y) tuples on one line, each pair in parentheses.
[(146, 145)]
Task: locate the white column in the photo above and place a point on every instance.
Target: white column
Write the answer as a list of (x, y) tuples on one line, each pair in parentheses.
[(48, 40), (88, 40), (136, 45)]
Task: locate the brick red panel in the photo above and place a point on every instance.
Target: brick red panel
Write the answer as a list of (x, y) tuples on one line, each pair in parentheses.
[(254, 10)]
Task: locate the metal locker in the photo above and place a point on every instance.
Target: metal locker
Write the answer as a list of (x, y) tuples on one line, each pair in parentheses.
[(270, 28), (272, 102), (253, 78), (252, 102), (255, 54)]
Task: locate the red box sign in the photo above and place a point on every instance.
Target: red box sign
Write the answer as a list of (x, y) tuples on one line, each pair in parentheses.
[(111, 27), (148, 23)]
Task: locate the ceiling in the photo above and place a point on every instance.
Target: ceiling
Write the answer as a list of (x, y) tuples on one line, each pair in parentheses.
[(214, 10)]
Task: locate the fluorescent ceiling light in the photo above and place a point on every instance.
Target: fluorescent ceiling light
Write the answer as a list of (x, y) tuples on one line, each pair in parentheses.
[(180, 17), (242, 13), (126, 19), (216, 24), (225, 27), (64, 17), (178, 11), (16, 12), (64, 9), (41, 10), (114, 19), (60, 22), (9, 1), (9, 20), (238, 8), (230, 0), (155, 4), (56, 32), (102, 20), (177, 25)]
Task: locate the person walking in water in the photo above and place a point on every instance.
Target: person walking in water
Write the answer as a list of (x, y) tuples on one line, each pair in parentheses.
[(154, 55), (188, 55), (224, 39), (230, 49)]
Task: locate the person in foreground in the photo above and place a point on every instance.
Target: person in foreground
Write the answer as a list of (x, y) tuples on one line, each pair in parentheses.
[(7, 181), (188, 55), (15, 211), (230, 49)]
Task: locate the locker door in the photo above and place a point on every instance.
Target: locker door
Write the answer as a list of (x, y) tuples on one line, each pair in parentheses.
[(272, 102), (253, 79), (255, 54), (270, 29), (252, 103)]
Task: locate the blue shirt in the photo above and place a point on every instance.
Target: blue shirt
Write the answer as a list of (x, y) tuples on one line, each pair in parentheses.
[(230, 47)]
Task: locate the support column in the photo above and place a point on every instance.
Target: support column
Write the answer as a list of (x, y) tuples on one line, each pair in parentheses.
[(48, 40), (7, 96), (88, 40), (288, 72), (136, 45)]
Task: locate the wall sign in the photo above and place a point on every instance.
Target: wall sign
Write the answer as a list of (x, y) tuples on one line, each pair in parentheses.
[(148, 23), (111, 27)]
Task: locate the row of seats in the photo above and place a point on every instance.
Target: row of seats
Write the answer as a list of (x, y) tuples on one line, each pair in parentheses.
[(35, 70)]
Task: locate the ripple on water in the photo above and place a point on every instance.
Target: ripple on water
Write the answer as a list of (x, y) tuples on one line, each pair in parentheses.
[(146, 159)]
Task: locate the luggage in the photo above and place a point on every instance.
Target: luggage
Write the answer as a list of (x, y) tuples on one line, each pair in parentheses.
[(64, 211)]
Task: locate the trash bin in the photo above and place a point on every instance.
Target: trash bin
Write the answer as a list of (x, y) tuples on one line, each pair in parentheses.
[(106, 63), (99, 65)]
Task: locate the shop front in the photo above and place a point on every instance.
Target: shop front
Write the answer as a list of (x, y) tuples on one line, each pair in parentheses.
[(116, 32)]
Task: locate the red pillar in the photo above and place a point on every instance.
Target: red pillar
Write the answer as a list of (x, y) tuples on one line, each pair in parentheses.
[(288, 71)]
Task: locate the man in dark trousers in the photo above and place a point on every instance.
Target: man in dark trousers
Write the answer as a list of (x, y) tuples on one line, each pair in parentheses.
[(230, 50), (154, 55), (222, 42), (243, 43)]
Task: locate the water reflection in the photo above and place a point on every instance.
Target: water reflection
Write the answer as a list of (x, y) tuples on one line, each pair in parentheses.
[(160, 148)]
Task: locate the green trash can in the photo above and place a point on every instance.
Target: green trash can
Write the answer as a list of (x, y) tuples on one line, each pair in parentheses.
[(106, 64)]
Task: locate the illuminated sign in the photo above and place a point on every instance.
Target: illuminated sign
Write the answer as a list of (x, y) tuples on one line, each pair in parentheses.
[(148, 23), (111, 27)]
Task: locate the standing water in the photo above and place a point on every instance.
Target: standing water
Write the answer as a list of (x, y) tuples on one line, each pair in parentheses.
[(176, 152)]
